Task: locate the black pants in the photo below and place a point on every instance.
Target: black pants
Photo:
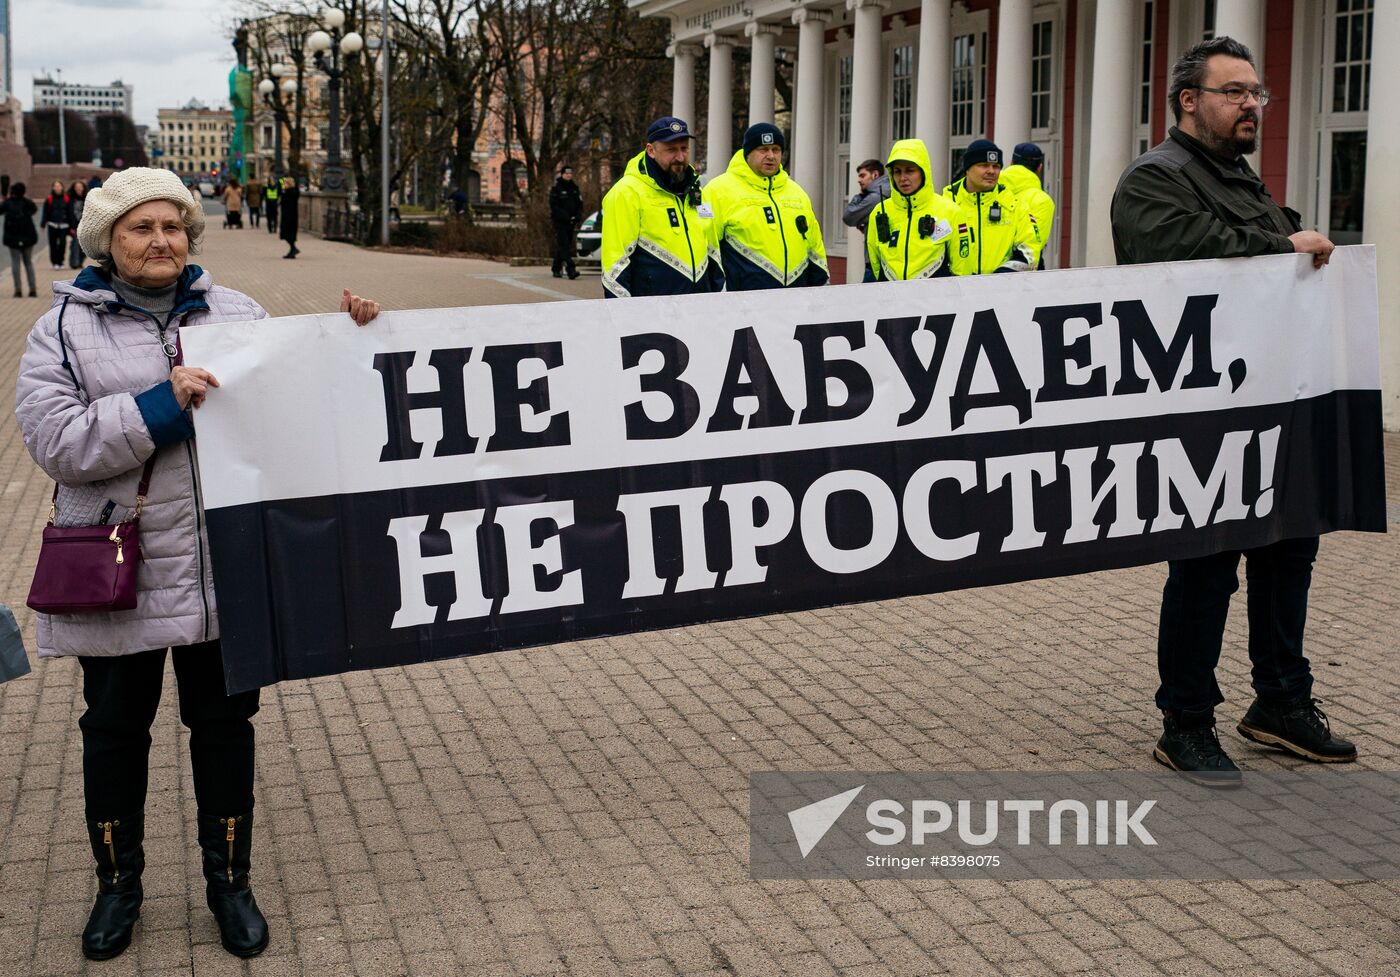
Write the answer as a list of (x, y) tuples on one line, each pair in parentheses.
[(564, 248), (272, 219), (1194, 607), (58, 244), (122, 694), (254, 214)]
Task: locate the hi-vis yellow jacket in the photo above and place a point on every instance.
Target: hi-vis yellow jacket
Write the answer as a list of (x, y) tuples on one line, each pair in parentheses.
[(907, 237), (768, 233), (655, 242), (994, 233), (1038, 205)]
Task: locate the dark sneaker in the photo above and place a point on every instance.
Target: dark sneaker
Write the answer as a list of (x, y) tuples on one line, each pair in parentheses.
[(1297, 726), (1189, 745)]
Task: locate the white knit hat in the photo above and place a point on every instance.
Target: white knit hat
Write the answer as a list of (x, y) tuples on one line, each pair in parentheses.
[(123, 191)]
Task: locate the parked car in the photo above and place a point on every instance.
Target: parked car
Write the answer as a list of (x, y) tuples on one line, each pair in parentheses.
[(590, 234), (206, 188)]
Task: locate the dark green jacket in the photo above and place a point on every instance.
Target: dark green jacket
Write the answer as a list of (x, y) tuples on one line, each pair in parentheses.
[(1179, 201)]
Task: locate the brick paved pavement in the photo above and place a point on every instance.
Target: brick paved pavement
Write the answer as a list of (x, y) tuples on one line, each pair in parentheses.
[(581, 809)]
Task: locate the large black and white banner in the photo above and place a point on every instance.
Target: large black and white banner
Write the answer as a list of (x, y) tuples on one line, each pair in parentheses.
[(452, 481)]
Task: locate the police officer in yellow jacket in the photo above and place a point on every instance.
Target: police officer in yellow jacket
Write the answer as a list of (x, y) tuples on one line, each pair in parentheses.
[(993, 232), (655, 240), (1024, 177), (908, 234), (767, 231)]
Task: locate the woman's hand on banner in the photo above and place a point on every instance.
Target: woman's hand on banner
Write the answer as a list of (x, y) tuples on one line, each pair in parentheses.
[(361, 310), (189, 384)]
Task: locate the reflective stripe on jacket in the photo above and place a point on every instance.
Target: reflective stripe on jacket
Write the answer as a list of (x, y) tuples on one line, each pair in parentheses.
[(994, 233), (767, 231), (1038, 205), (655, 242), (908, 237)]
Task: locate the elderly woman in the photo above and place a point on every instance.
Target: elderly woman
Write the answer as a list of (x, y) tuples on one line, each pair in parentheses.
[(102, 391)]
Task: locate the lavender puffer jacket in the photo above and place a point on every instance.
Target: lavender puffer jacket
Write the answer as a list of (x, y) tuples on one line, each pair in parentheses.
[(93, 438)]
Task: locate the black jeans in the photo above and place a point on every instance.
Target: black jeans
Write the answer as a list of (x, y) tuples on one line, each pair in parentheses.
[(122, 694), (1194, 607), (58, 244), (563, 248)]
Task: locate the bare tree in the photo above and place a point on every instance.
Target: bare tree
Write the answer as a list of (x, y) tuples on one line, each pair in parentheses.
[(572, 71), (453, 42)]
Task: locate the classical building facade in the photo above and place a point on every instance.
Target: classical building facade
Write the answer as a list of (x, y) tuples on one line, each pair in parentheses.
[(1086, 79), (193, 140)]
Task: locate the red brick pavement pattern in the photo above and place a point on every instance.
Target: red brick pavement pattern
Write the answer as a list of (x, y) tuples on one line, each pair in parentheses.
[(581, 809)]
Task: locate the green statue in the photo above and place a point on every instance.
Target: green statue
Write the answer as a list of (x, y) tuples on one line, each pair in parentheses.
[(240, 100)]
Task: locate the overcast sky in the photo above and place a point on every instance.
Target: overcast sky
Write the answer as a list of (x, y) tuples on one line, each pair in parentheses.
[(169, 51)]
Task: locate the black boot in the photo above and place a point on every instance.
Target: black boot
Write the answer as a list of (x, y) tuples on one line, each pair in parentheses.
[(116, 845), (1189, 745), (1297, 726), (227, 844)]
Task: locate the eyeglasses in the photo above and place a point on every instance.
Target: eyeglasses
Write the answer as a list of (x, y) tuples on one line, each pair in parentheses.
[(1237, 96)]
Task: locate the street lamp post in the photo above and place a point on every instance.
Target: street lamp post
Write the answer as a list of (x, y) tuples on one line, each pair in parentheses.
[(380, 47), (272, 92), (62, 129), (384, 132), (320, 43)]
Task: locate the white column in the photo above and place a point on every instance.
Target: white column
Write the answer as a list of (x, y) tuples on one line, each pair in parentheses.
[(1244, 21), (1383, 198), (865, 109), (932, 106), (762, 87), (1110, 123), (683, 81), (719, 141), (1012, 122), (807, 157)]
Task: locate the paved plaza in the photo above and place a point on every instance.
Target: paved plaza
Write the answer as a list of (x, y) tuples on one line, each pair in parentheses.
[(582, 809)]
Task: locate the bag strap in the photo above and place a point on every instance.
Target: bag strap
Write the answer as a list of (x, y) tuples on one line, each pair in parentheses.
[(63, 346)]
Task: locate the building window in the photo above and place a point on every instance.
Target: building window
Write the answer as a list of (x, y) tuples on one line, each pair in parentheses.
[(1208, 20), (1142, 110), (902, 92), (982, 92), (969, 94), (964, 88), (1145, 73), (1042, 53), (843, 99), (1351, 64)]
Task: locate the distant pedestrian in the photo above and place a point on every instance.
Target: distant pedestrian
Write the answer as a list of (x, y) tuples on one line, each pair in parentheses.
[(272, 203), (77, 192), (255, 202), (20, 235), (458, 200), (565, 213), (288, 219), (58, 218), (233, 204)]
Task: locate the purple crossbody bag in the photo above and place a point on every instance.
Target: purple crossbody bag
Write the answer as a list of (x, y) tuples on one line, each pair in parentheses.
[(85, 569)]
